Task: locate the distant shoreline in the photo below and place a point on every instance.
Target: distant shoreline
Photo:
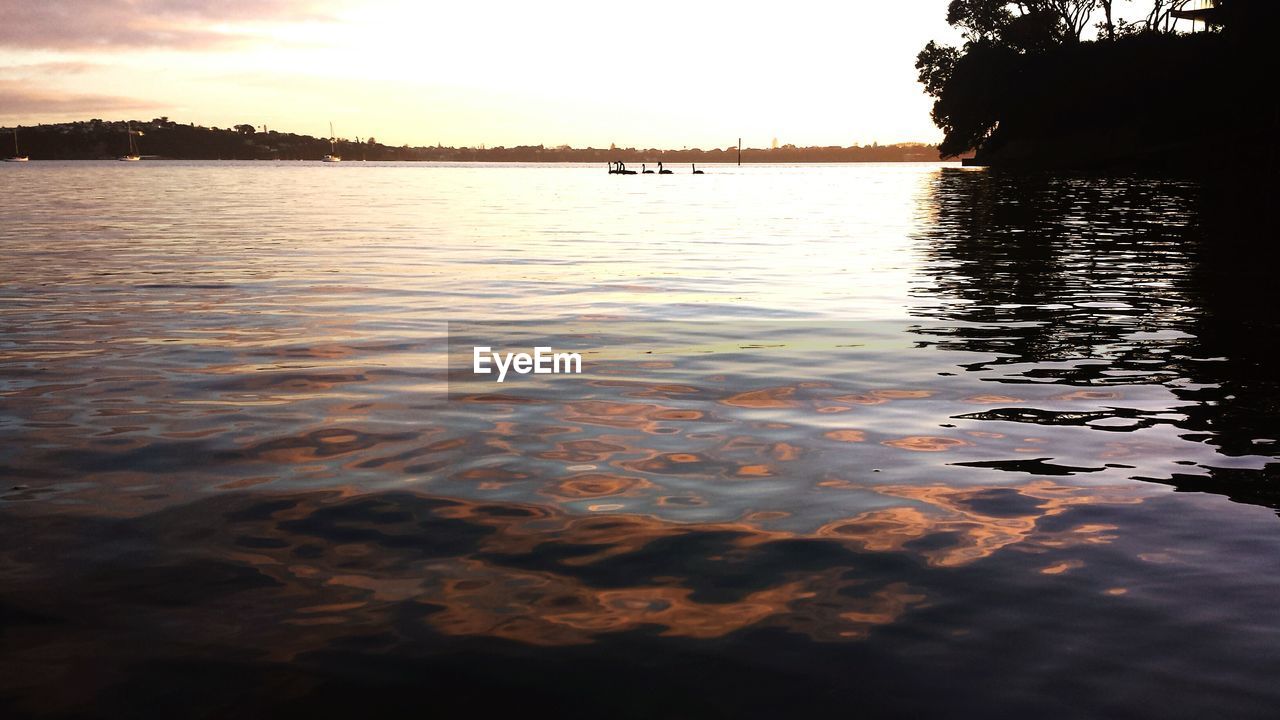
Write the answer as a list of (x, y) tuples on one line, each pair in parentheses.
[(162, 138), (582, 163)]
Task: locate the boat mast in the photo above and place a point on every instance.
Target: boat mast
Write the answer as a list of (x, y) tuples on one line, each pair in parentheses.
[(332, 151), (15, 143)]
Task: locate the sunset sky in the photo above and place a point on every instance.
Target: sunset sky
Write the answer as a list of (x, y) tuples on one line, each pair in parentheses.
[(658, 74)]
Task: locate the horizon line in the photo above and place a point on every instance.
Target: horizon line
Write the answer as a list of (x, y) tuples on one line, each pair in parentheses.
[(481, 146)]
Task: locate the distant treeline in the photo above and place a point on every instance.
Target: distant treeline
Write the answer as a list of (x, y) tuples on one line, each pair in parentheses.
[(1028, 89), (163, 138)]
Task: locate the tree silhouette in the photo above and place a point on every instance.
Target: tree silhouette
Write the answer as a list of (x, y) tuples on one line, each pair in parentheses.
[(1161, 18), (1074, 15), (1026, 77)]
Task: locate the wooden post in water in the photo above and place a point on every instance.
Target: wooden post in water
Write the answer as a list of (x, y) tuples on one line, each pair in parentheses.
[(739, 152)]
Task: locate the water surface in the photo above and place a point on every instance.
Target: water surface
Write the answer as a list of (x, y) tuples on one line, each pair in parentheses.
[(900, 438)]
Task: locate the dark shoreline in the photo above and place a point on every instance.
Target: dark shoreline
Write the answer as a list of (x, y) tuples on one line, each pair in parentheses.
[(146, 158), (161, 137)]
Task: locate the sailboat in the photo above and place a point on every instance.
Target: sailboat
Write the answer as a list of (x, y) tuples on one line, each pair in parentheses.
[(17, 156), (333, 155), (133, 155)]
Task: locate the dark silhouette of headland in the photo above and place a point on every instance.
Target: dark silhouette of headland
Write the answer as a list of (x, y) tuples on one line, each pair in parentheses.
[(1190, 86), (162, 138)]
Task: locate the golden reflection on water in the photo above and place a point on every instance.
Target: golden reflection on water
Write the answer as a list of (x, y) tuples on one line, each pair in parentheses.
[(533, 573), (976, 534)]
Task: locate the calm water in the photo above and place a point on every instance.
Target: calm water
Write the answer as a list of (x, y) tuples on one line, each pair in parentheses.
[(874, 439)]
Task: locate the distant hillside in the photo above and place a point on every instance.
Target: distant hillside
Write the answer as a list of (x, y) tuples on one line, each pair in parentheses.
[(163, 138)]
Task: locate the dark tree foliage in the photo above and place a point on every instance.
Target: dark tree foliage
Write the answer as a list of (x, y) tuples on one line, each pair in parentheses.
[(1032, 23), (971, 85), (936, 63), (1025, 89), (970, 89), (983, 21)]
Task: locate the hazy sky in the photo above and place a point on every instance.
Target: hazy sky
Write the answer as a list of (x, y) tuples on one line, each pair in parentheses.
[(662, 73)]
